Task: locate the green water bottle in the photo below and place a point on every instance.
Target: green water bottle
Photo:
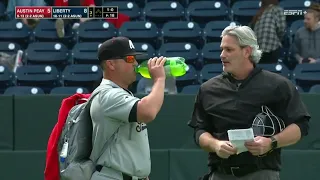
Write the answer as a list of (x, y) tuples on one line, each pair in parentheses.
[(174, 67)]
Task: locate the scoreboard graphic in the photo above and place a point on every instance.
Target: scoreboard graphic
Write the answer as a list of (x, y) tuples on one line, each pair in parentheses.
[(47, 12)]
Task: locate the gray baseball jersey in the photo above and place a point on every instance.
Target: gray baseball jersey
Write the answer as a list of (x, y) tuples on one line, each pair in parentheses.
[(128, 145)]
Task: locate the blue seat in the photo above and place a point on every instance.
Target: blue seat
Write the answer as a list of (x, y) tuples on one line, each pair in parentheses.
[(209, 71), (211, 53), (96, 31), (140, 3), (128, 8), (293, 5), (184, 3), (83, 75), (46, 31), (188, 51), (190, 78), (276, 68), (9, 47), (85, 53), (42, 76), (243, 11), (47, 53), (163, 11), (6, 78), (182, 31), (294, 27), (226, 2), (191, 89), (23, 90), (306, 75), (14, 31), (2, 10), (147, 49), (140, 31), (203, 12), (69, 90), (315, 89), (213, 29)]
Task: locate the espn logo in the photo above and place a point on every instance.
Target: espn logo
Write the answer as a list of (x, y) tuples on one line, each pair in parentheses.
[(294, 12)]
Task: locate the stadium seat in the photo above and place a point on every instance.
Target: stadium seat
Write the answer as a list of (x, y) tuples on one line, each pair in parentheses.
[(306, 75), (140, 31), (140, 3), (184, 3), (276, 68), (209, 71), (6, 78), (226, 2), (211, 53), (160, 12), (47, 53), (294, 5), (2, 10), (46, 31), (23, 90), (96, 31), (190, 78), (69, 90), (243, 11), (191, 89), (294, 27), (182, 31), (83, 75), (9, 47), (146, 49), (186, 50), (203, 12), (315, 89), (213, 29), (42, 76), (85, 53), (14, 31), (128, 8)]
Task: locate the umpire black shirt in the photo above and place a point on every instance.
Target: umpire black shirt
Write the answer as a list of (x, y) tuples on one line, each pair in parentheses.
[(224, 103)]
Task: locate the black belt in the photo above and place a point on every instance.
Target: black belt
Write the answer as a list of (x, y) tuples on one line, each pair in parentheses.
[(124, 176), (237, 171)]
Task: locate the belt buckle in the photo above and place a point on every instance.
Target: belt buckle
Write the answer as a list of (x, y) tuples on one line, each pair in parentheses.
[(232, 170)]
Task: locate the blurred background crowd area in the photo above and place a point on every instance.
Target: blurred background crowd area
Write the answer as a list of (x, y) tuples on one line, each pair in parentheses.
[(59, 56)]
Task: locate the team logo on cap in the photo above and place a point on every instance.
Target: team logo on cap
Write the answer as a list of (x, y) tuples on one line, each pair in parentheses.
[(131, 45)]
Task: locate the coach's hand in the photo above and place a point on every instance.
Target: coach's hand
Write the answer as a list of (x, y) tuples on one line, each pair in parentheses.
[(259, 146), (156, 69), (224, 149)]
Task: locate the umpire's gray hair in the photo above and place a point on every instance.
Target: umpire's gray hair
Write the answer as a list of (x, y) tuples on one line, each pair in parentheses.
[(246, 37)]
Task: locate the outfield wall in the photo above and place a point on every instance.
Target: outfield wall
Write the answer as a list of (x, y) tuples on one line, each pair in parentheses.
[(27, 121)]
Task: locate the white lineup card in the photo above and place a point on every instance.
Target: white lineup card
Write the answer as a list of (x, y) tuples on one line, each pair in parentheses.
[(238, 137)]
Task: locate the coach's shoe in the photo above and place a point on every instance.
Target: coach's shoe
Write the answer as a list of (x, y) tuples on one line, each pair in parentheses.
[(60, 28)]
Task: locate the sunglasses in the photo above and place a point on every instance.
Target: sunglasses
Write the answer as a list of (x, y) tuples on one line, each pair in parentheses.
[(128, 59)]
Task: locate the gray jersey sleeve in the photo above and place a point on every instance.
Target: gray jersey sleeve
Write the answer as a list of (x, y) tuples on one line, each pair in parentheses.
[(117, 104)]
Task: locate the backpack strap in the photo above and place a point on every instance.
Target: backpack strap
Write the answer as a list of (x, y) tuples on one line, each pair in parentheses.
[(94, 93), (88, 105)]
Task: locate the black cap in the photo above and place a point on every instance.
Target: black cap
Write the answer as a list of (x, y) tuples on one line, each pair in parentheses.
[(115, 48)]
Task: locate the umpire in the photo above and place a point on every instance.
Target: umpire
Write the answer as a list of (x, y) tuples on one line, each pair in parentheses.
[(120, 136), (233, 99)]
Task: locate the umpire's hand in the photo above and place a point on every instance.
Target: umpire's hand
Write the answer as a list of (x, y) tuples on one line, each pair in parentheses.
[(259, 146), (224, 149)]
